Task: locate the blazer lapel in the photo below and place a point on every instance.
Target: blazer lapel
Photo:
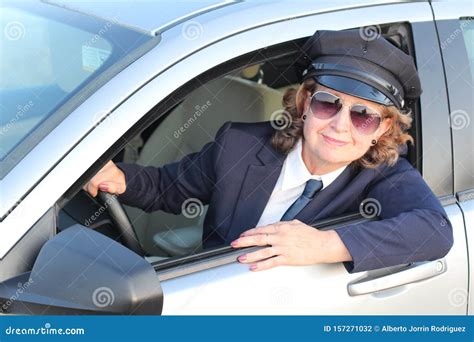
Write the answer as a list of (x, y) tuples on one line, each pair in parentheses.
[(326, 201), (255, 192)]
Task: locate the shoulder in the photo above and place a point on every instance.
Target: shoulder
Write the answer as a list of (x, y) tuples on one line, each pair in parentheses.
[(245, 133), (402, 172), (247, 129), (245, 142)]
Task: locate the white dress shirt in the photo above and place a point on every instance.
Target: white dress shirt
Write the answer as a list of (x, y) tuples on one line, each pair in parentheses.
[(290, 185)]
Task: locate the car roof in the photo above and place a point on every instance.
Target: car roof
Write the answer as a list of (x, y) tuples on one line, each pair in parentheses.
[(155, 17), (150, 17)]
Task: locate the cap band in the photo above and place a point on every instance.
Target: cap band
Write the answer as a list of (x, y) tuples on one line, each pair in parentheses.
[(353, 87), (372, 85)]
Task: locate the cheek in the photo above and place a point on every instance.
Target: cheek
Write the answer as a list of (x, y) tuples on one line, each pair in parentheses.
[(360, 147), (314, 125), (353, 151)]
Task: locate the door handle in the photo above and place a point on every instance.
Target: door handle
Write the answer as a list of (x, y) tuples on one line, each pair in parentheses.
[(411, 274)]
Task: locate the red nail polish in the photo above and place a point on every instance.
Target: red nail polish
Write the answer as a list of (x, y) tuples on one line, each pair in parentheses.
[(242, 258), (233, 243), (253, 267), (104, 187)]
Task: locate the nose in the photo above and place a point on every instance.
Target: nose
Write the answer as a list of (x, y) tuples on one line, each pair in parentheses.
[(341, 122)]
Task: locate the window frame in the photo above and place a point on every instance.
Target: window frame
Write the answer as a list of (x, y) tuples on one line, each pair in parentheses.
[(460, 99)]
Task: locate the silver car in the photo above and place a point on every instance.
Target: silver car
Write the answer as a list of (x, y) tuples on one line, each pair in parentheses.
[(86, 82)]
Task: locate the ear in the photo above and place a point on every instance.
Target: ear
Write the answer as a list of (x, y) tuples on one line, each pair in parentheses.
[(384, 127)]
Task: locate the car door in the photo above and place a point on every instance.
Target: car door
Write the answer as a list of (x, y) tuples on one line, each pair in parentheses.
[(214, 283), (456, 32)]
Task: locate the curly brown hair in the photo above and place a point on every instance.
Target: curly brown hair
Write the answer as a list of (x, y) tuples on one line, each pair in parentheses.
[(385, 151)]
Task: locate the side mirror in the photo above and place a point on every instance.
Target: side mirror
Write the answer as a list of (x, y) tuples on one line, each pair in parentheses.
[(81, 271)]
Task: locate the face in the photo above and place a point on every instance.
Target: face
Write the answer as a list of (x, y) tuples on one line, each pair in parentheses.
[(330, 143)]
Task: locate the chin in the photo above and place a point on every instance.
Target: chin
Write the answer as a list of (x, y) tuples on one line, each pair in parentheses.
[(332, 157)]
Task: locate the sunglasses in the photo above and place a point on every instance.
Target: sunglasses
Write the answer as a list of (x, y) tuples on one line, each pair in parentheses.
[(325, 105)]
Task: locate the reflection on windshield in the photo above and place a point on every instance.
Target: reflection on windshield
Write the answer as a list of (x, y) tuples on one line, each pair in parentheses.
[(48, 55)]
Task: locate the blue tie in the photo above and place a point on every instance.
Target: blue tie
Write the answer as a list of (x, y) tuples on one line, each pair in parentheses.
[(311, 188)]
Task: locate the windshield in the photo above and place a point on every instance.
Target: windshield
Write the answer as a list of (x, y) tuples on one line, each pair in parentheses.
[(51, 60)]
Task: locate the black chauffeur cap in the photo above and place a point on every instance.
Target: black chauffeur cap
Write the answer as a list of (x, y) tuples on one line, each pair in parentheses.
[(362, 65)]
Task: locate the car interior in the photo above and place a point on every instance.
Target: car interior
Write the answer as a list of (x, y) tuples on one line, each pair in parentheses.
[(251, 92)]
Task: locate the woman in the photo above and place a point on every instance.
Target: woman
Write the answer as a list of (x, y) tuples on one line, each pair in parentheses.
[(338, 153)]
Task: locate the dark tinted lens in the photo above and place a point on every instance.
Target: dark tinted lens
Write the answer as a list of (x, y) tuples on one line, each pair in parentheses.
[(364, 120), (324, 105)]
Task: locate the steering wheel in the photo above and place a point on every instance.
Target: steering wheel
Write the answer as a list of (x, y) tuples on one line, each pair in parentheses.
[(121, 220)]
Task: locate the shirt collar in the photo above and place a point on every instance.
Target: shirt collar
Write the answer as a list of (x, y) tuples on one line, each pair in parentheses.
[(295, 172)]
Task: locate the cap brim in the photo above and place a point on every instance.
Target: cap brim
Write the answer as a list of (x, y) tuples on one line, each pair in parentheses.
[(353, 87)]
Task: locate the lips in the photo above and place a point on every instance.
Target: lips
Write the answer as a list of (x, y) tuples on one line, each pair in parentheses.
[(333, 141)]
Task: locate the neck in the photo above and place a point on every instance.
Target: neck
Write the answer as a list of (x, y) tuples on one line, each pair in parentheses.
[(319, 167)]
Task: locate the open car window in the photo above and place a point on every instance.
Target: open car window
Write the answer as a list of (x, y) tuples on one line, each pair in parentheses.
[(247, 89)]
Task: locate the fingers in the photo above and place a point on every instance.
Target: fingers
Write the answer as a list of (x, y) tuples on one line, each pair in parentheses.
[(259, 255), (268, 263), (109, 179), (93, 187), (255, 240), (264, 235)]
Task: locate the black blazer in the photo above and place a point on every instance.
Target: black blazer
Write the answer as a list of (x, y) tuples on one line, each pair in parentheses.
[(236, 173)]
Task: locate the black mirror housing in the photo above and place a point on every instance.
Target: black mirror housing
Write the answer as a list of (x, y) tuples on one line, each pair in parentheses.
[(80, 271)]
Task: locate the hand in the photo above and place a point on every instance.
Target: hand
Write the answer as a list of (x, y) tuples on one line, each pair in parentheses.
[(109, 179), (290, 243)]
